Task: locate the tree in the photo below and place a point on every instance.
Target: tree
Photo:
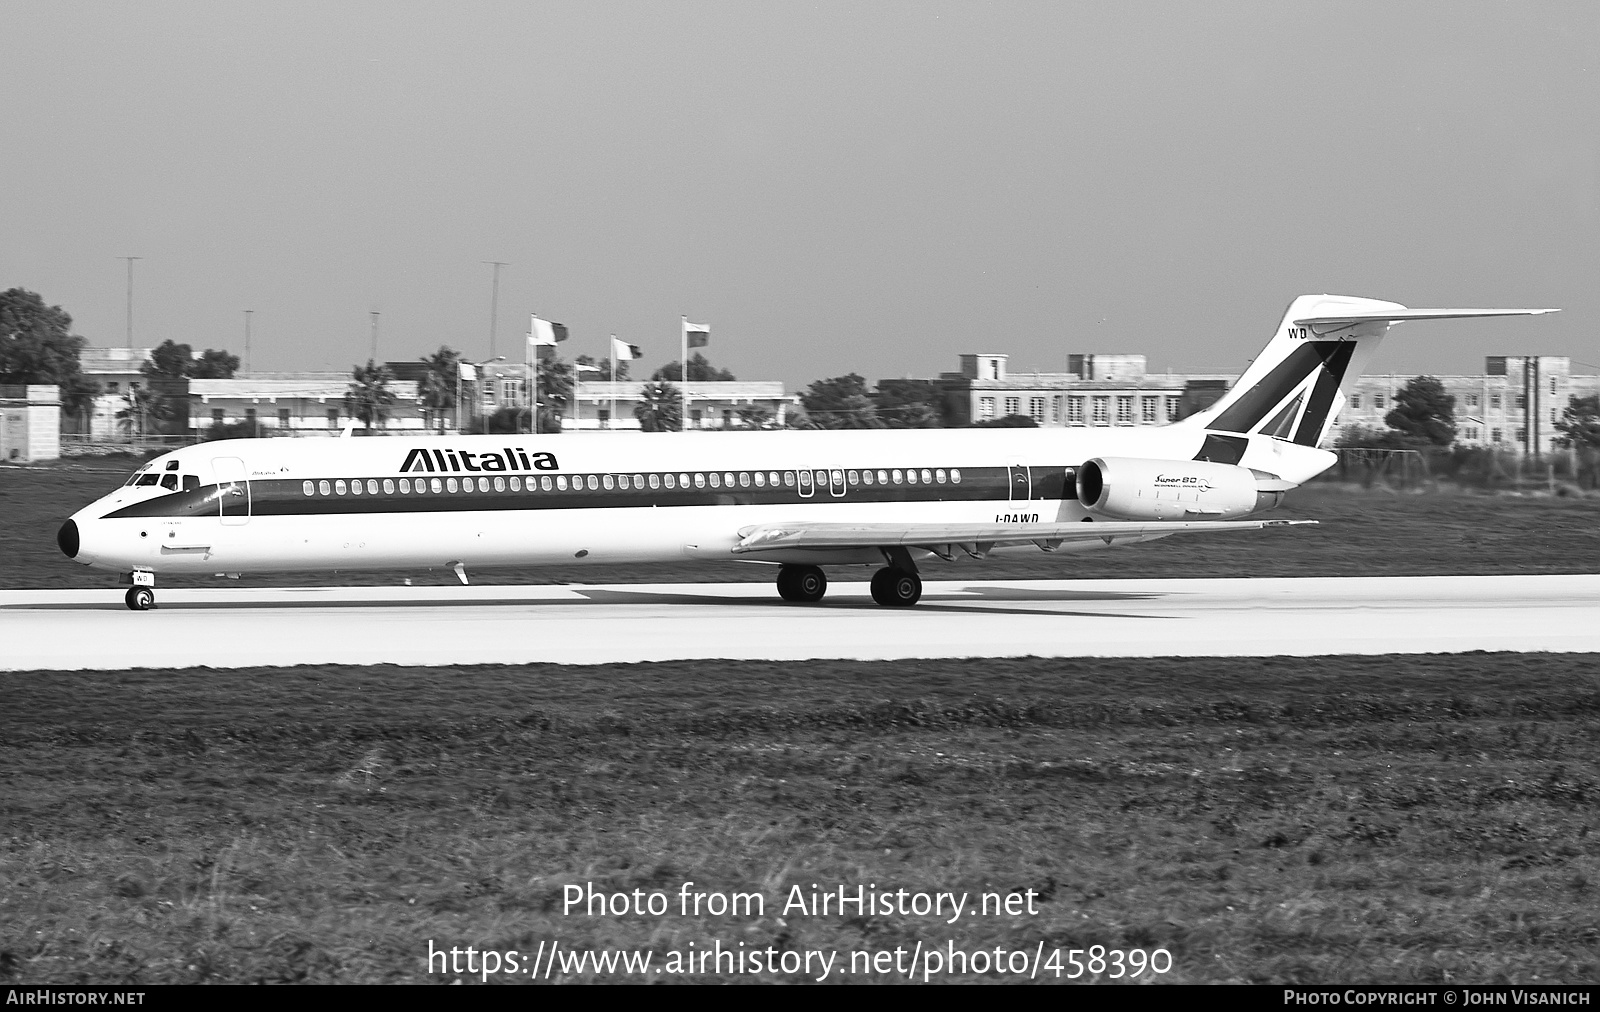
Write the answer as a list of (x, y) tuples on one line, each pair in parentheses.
[(1424, 415), (909, 404), (1580, 423), (437, 389), (840, 403), (700, 371), (144, 412), (755, 417), (659, 408), (213, 364), (369, 396), (554, 394), (36, 341), (170, 360), (78, 397)]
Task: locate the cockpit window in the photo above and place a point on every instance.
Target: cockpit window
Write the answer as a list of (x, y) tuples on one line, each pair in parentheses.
[(191, 482), (169, 480), (148, 479)]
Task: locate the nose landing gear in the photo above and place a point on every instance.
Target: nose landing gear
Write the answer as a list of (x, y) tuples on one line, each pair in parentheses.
[(140, 598)]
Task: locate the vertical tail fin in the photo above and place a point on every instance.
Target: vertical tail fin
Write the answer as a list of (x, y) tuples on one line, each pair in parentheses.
[(1296, 386)]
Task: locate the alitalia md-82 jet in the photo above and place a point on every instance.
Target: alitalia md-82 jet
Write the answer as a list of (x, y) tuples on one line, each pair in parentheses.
[(802, 500)]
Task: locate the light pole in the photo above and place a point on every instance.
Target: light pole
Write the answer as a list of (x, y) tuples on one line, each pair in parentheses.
[(494, 300), (130, 296), (374, 316), (247, 313)]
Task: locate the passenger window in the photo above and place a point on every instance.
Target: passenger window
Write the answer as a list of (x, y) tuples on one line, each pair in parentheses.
[(594, 482), (866, 477), (883, 477), (338, 486), (837, 477), (683, 480), (911, 476), (545, 484), (927, 476), (895, 475), (324, 488), (805, 479), (655, 482), (638, 481), (727, 478), (309, 488), (355, 487), (388, 486), (169, 481), (516, 483), (372, 486), (761, 479), (561, 482), (670, 480), (699, 481), (715, 480), (788, 478), (451, 485), (405, 486), (499, 484), (955, 476), (434, 484), (938, 475), (608, 481)]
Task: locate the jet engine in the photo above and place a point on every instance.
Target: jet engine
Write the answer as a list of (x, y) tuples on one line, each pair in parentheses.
[(1135, 488)]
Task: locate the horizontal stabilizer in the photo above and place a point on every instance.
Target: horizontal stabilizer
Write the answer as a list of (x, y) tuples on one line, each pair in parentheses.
[(820, 537), (1398, 315)]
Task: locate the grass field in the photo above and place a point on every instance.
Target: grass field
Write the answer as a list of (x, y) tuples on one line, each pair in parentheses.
[(1325, 820), (1397, 819)]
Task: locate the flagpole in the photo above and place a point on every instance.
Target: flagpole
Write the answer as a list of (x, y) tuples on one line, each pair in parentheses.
[(533, 362), (683, 420), (613, 381)]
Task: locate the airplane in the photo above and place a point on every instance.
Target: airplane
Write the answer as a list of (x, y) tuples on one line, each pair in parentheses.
[(802, 500)]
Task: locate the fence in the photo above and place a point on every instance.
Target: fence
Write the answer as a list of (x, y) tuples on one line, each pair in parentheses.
[(1565, 470)]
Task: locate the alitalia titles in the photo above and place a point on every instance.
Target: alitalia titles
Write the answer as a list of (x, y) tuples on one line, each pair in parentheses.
[(505, 459)]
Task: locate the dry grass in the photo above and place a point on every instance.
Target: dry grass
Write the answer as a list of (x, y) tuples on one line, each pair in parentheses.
[(1320, 820)]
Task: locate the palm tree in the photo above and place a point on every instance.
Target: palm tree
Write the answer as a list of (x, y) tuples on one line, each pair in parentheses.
[(437, 390), (658, 409), (369, 396), (554, 393)]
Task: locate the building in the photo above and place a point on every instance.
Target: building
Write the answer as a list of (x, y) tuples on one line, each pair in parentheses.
[(30, 423), (712, 405), (294, 404), (1513, 405), (119, 371), (1096, 390)]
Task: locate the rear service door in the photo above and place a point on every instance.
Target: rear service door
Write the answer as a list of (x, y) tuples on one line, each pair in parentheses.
[(233, 490)]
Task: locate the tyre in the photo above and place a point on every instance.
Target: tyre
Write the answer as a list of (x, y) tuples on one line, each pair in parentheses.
[(895, 588), (802, 584), (140, 599)]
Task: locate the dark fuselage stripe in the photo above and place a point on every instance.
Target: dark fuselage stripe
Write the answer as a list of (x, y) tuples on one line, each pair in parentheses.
[(281, 497)]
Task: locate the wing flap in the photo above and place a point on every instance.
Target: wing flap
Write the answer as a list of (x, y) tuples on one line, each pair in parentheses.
[(937, 537)]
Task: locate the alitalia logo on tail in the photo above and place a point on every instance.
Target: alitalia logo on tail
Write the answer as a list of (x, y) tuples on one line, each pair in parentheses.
[(505, 459)]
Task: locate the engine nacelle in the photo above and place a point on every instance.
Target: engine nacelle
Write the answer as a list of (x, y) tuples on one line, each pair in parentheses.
[(1136, 488)]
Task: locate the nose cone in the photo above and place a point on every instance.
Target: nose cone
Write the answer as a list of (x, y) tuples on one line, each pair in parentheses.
[(67, 538)]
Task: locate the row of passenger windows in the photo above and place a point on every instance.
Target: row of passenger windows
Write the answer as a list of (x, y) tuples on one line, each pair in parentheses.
[(561, 483)]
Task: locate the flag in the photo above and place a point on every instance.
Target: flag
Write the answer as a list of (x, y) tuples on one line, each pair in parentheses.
[(466, 371), (697, 334), (621, 352), (580, 367), (546, 334)]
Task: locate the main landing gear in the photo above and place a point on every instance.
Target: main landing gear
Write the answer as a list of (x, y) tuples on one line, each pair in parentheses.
[(896, 585), (896, 588), (802, 584)]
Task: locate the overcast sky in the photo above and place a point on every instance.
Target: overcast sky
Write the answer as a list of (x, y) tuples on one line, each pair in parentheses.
[(869, 187)]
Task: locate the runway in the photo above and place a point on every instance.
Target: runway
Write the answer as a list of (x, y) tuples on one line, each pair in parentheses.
[(593, 624)]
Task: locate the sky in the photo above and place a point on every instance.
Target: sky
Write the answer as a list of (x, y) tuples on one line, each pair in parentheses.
[(832, 187)]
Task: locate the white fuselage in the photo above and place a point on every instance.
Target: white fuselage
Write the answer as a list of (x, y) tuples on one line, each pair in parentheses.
[(265, 505)]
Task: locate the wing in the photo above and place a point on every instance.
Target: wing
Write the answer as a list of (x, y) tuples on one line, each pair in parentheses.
[(974, 539)]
